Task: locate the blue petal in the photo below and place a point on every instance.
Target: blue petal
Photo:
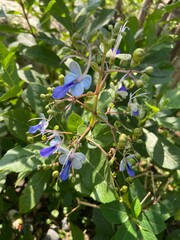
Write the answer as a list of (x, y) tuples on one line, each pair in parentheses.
[(74, 68), (60, 91), (122, 89), (34, 128), (130, 171), (118, 51), (77, 89), (70, 77), (64, 174), (46, 152), (135, 113), (86, 81)]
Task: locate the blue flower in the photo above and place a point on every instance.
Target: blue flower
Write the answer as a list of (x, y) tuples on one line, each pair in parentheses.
[(122, 91), (74, 81), (41, 126), (68, 159), (54, 146), (125, 165)]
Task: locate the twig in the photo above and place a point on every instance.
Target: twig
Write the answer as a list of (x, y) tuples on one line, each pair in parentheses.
[(144, 199), (87, 204), (143, 12)]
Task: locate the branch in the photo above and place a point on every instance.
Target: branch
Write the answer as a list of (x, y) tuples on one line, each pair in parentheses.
[(143, 12)]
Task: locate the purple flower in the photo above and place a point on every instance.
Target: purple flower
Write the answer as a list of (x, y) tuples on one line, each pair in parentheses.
[(54, 145), (125, 165), (68, 159), (41, 126), (74, 81)]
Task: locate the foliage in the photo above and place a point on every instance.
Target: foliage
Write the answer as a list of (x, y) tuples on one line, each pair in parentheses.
[(102, 160)]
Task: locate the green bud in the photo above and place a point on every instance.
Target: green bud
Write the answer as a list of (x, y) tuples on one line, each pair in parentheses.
[(30, 139), (149, 69), (51, 112), (133, 64), (100, 35), (49, 89), (138, 55), (123, 140), (137, 156), (44, 137), (110, 27), (56, 127), (138, 132), (55, 213), (117, 27), (124, 189), (139, 83), (120, 199), (61, 79), (129, 179), (48, 221), (42, 95)]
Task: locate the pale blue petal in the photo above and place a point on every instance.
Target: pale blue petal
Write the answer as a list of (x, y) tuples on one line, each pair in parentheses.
[(44, 125), (77, 89), (122, 165), (64, 174), (75, 68), (62, 158), (70, 77), (76, 163), (63, 150), (86, 81)]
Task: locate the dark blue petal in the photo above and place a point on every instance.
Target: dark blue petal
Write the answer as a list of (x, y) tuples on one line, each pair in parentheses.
[(135, 113), (122, 89), (64, 174), (35, 128), (130, 171), (60, 91), (46, 152)]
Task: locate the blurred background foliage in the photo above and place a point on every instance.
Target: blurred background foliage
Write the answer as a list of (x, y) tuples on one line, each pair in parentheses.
[(35, 37)]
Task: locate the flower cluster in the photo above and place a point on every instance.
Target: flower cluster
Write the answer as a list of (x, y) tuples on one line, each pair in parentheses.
[(67, 158)]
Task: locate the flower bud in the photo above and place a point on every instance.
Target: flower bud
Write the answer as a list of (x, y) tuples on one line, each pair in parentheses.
[(42, 95), (55, 213), (139, 83), (124, 189), (117, 27), (61, 79), (55, 174), (49, 89), (56, 127), (137, 156), (30, 139), (110, 27), (123, 140), (138, 55), (149, 69), (51, 112), (138, 132), (44, 137)]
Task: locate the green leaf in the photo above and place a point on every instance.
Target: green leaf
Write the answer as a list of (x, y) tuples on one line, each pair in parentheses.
[(114, 212), (172, 123), (152, 221), (33, 97), (43, 55), (171, 99), (163, 208), (144, 234), (61, 13), (136, 207), (77, 233), (104, 228), (8, 67), (20, 159), (127, 231), (17, 122), (95, 177), (74, 121), (3, 175), (34, 190), (106, 97), (163, 153), (13, 92), (102, 19), (102, 134)]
